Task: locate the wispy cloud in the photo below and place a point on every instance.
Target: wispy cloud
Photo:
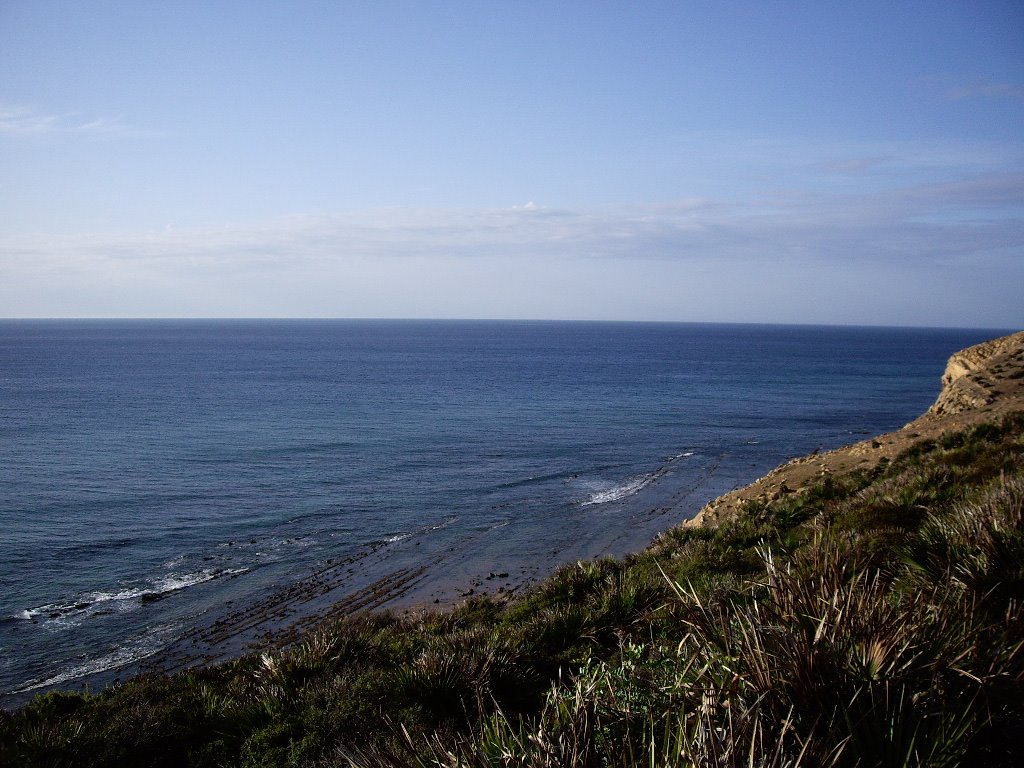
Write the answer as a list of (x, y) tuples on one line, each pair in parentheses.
[(22, 120), (960, 220), (954, 90), (986, 90), (942, 253), (852, 166)]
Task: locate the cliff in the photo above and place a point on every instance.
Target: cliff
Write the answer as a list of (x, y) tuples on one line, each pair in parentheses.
[(981, 383), (980, 376)]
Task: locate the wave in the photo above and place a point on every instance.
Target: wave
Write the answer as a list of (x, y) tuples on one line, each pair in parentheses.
[(620, 491), (83, 550), (154, 590), (137, 650), (635, 484), (423, 530), (535, 480)]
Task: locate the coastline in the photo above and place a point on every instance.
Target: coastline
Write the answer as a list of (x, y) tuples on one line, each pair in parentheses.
[(394, 576), (408, 578), (879, 581), (980, 384)]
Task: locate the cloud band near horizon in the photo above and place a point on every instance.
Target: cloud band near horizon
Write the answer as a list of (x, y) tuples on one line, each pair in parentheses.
[(939, 236)]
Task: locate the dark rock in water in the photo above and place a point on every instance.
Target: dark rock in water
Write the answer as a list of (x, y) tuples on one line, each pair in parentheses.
[(80, 606), (152, 597)]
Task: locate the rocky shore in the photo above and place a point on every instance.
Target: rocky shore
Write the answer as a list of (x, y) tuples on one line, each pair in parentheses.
[(860, 618), (980, 383)]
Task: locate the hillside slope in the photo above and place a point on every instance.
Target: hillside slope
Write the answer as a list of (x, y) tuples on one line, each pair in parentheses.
[(981, 383)]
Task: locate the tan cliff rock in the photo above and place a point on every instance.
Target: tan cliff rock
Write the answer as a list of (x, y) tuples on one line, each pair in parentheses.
[(981, 383), (975, 376)]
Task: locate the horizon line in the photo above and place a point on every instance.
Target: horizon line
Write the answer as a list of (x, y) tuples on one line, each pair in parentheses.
[(406, 319)]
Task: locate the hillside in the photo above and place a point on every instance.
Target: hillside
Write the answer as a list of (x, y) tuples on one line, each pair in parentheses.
[(856, 608), (981, 384)]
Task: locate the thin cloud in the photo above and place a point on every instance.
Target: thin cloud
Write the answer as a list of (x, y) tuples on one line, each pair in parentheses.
[(950, 90), (24, 120), (950, 253), (986, 90), (987, 191), (974, 218), (27, 121), (852, 166)]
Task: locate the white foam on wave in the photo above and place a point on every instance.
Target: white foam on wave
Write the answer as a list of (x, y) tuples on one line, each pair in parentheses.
[(170, 583), (424, 530), (136, 650), (635, 484), (173, 582), (620, 491)]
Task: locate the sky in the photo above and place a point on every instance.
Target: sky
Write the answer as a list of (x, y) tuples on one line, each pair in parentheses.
[(772, 162)]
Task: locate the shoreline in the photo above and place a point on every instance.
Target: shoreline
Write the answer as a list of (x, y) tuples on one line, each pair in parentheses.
[(398, 577), (407, 576), (394, 576), (980, 384), (877, 583)]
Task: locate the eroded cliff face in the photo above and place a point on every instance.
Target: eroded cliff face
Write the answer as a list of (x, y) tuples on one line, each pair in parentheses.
[(976, 377), (981, 383)]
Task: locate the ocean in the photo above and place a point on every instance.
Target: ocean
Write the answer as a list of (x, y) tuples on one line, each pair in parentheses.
[(174, 492)]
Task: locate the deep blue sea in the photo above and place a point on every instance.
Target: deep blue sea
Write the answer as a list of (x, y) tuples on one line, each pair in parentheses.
[(158, 476)]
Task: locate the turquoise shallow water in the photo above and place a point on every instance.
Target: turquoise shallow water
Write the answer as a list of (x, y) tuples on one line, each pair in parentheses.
[(152, 471)]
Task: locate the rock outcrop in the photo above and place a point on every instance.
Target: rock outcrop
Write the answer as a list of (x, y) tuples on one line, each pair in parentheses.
[(971, 376), (981, 383)]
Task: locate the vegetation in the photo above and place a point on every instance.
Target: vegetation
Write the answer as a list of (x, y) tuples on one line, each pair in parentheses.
[(875, 620)]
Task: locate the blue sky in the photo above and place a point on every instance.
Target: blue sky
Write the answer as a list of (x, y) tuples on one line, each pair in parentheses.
[(698, 161)]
